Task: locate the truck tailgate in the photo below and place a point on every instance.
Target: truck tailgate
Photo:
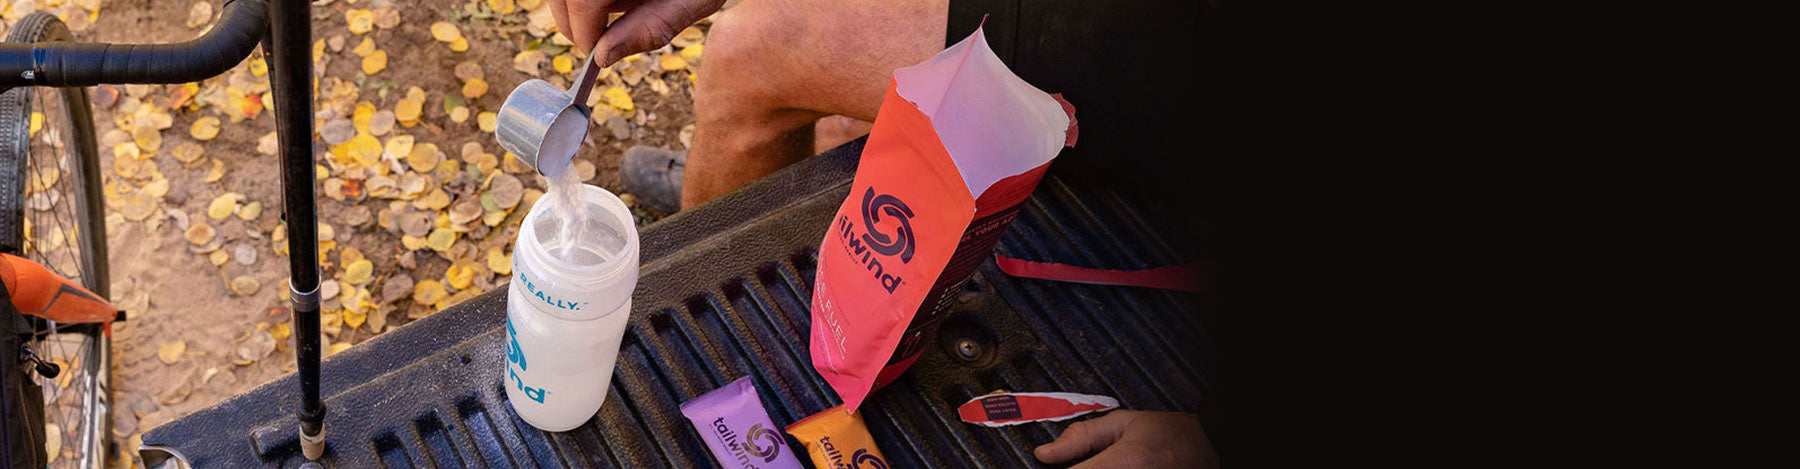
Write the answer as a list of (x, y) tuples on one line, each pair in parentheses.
[(724, 293)]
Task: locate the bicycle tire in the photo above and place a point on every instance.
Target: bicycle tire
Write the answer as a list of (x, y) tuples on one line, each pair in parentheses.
[(83, 167)]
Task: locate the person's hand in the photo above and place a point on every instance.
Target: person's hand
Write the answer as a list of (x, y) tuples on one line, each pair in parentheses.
[(1135, 439), (645, 25)]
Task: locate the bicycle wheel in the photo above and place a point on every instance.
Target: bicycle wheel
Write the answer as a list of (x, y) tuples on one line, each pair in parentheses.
[(51, 212)]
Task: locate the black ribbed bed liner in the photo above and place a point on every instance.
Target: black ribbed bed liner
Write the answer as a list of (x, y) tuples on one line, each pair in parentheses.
[(724, 292)]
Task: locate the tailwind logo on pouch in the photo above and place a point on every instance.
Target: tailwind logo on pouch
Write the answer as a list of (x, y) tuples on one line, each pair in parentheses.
[(515, 356), (757, 432), (768, 453), (862, 248), (861, 459), (902, 243)]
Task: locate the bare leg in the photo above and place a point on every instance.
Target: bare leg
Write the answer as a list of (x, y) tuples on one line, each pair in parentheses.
[(836, 130), (775, 67)]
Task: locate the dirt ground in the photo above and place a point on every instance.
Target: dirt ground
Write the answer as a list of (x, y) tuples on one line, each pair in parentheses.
[(206, 303)]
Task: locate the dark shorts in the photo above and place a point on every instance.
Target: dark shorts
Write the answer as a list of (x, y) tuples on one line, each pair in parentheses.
[(1127, 66)]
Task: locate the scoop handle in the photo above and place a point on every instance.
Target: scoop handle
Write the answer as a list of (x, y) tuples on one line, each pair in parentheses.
[(584, 81)]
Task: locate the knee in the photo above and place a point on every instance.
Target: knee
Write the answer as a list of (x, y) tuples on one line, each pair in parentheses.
[(741, 41)]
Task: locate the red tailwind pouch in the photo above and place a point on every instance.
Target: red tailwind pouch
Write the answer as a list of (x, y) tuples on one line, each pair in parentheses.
[(958, 143)]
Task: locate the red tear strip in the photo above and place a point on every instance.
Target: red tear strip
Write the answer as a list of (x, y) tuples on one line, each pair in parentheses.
[(1189, 277)]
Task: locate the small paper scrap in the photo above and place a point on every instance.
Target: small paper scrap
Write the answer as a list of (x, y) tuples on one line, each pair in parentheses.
[(1013, 408)]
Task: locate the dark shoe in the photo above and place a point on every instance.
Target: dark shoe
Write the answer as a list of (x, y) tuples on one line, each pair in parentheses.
[(654, 176)]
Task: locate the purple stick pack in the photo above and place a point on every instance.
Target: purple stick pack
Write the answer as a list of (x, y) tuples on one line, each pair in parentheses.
[(734, 425)]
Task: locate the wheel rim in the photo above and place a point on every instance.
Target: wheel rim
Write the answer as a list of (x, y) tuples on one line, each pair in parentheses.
[(54, 210)]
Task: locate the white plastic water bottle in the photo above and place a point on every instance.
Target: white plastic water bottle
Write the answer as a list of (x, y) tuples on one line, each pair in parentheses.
[(566, 310)]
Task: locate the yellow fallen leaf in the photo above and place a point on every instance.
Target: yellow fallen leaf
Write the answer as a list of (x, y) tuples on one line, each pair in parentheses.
[(187, 152), (424, 157), (222, 206), (368, 149), (158, 186), (318, 50), (217, 172), (407, 110), (138, 207), (617, 97), (245, 285), (364, 48), (440, 239), (278, 241), (487, 121), (200, 234), (436, 200), (337, 347), (412, 243), (37, 122), (427, 292), (260, 67), (125, 151), (460, 275), (504, 7), (361, 20), (350, 256), (459, 45), (359, 272), (170, 352), (443, 31), (563, 64), (401, 146), (321, 172), (499, 261), (219, 257), (529, 4), (375, 62), (361, 117), (147, 137), (354, 318), (528, 62), (250, 212), (205, 129), (692, 53), (474, 88), (487, 162), (387, 18), (459, 297), (460, 114), (672, 63)]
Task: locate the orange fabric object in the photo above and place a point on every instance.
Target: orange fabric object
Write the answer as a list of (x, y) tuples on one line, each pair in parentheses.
[(838, 438), (37, 291)]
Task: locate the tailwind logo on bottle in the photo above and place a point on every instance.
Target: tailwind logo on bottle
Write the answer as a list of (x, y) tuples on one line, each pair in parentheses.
[(862, 248), (515, 357)]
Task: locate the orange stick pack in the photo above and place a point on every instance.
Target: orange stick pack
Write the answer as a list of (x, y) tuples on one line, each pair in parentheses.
[(838, 439), (958, 143)]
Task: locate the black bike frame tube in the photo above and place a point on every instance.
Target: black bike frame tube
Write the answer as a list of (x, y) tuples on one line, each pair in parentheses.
[(291, 71), (241, 23)]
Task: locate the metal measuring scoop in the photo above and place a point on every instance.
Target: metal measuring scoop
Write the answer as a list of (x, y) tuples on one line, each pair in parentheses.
[(542, 125)]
